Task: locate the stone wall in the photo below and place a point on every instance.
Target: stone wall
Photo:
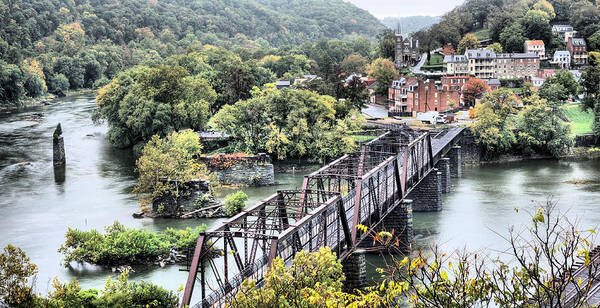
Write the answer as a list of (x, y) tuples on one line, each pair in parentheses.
[(471, 152), (427, 196), (443, 166), (455, 155), (253, 170), (400, 221), (354, 268), (586, 140)]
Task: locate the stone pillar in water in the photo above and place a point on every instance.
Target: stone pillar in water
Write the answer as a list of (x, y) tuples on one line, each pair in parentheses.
[(400, 222), (444, 167), (427, 195), (354, 268), (455, 161), (58, 149)]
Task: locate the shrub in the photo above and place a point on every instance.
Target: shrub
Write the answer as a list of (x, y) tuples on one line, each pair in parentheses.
[(235, 202), (15, 271), (58, 83), (121, 245)]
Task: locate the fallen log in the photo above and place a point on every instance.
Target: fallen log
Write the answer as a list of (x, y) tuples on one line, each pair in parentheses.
[(200, 210)]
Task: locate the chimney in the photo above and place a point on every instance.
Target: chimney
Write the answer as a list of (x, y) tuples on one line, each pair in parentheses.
[(570, 42)]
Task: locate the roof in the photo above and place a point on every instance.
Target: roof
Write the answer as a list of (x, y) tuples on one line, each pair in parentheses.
[(535, 42), (538, 79), (455, 59), (282, 83), (373, 85), (492, 81), (562, 53), (559, 27), (480, 54), (517, 56), (578, 42)]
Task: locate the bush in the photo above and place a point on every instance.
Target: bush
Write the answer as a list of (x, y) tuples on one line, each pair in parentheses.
[(58, 83), (235, 202), (101, 82), (15, 271), (116, 293), (124, 246), (34, 86)]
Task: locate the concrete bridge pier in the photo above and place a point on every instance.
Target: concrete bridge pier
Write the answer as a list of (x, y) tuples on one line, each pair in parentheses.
[(455, 161), (400, 221), (427, 196), (443, 166), (355, 270)]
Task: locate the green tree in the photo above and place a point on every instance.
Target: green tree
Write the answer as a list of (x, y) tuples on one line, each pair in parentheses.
[(590, 82), (496, 47), (235, 202), (147, 101), (58, 84), (120, 245), (540, 130), (11, 84), (537, 26), (15, 273), (384, 71), (386, 46), (314, 280), (354, 64), (546, 7), (593, 42), (166, 165), (285, 123), (355, 91), (495, 115), (513, 38), (469, 41)]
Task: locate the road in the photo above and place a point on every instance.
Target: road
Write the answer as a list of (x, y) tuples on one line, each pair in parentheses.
[(417, 68)]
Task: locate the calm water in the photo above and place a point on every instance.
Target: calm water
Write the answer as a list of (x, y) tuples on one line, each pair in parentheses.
[(35, 210)]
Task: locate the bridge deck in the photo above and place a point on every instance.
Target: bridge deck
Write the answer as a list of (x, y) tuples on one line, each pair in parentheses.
[(358, 188)]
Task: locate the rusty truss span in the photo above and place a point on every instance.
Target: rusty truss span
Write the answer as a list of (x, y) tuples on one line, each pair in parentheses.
[(362, 187)]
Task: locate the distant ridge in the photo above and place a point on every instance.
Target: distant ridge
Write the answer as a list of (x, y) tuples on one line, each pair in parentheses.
[(411, 24)]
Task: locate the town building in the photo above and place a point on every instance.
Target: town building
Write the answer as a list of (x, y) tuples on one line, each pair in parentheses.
[(493, 83), (280, 84), (456, 65), (481, 63), (562, 59), (485, 64), (417, 95), (516, 65), (546, 73), (537, 82), (537, 47), (578, 49), (407, 51), (564, 32)]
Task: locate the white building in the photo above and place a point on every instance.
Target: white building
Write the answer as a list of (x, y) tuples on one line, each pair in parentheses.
[(562, 58), (537, 47), (564, 31)]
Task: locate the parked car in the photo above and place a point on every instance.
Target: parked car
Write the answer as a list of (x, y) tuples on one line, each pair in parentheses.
[(431, 117)]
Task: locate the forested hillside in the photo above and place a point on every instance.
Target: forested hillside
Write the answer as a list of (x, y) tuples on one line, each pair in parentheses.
[(510, 22), (24, 22), (57, 45), (411, 24)]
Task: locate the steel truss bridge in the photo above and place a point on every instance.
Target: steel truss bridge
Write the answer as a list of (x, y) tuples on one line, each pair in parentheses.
[(358, 188)]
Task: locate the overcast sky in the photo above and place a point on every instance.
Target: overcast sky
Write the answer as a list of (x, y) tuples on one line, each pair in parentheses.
[(401, 8)]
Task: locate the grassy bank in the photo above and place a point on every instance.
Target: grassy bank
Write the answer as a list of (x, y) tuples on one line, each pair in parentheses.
[(580, 121)]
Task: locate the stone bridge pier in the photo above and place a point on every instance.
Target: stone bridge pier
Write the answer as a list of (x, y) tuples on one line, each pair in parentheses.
[(427, 195)]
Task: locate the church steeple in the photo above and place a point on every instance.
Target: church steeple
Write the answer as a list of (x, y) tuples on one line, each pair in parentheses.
[(399, 29)]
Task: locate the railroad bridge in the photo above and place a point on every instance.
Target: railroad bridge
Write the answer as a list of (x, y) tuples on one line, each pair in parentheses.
[(398, 172)]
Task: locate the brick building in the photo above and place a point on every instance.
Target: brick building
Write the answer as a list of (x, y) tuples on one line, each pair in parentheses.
[(418, 95), (485, 64), (516, 65), (578, 49)]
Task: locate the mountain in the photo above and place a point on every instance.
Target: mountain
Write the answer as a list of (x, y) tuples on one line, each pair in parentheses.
[(23, 22), (411, 24)]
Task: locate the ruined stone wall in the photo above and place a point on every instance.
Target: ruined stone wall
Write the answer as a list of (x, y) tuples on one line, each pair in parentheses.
[(252, 170)]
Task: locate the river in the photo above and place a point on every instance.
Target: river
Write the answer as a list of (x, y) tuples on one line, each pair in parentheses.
[(36, 210)]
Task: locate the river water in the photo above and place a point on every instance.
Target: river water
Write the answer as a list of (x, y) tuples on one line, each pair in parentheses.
[(36, 210)]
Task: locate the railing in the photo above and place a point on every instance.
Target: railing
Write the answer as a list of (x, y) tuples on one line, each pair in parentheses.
[(358, 188)]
